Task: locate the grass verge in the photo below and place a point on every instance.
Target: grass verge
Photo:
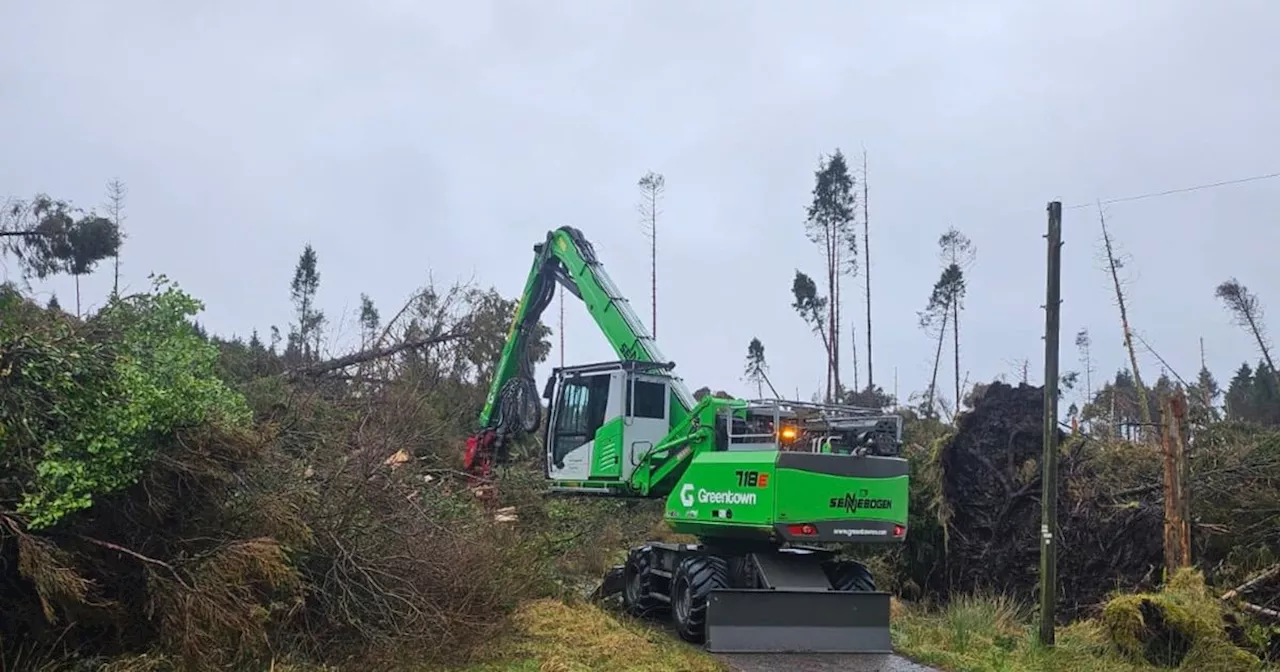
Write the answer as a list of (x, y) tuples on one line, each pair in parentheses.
[(990, 634), (552, 636), (1179, 628)]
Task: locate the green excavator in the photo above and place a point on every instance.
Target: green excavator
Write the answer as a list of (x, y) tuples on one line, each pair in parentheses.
[(767, 486)]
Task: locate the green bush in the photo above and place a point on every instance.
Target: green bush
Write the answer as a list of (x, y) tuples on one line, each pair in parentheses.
[(84, 404)]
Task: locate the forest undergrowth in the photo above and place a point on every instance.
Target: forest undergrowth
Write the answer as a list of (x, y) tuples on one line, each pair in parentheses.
[(184, 502), (171, 500)]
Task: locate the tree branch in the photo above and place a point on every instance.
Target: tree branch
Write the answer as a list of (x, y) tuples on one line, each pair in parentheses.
[(137, 556), (1252, 583)]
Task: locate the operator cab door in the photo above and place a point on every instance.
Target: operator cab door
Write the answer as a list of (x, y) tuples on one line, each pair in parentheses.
[(584, 425), (648, 408)]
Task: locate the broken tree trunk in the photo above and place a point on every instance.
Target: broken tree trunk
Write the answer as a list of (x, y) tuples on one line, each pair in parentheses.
[(363, 356), (1144, 411), (1237, 595)]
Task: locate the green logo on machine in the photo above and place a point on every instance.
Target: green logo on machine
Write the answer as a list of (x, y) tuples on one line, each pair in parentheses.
[(705, 496)]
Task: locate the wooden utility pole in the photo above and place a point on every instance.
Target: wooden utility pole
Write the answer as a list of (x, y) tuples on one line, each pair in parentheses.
[(1049, 461), (1177, 509)]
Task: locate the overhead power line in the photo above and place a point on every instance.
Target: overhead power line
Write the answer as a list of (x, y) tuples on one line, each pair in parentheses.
[(1182, 190)]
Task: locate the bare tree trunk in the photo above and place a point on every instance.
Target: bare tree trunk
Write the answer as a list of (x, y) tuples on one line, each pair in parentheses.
[(1204, 393), (955, 332), (853, 354), (937, 357), (866, 253), (1111, 419), (115, 194), (653, 259), (1262, 343), (833, 294), (1144, 411), (77, 295), (1088, 375), (1088, 381), (651, 187)]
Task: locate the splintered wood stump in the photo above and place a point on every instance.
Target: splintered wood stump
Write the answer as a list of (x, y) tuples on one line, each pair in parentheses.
[(991, 495)]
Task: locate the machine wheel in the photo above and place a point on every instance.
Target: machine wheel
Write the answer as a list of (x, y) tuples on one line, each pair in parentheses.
[(637, 590), (695, 578), (742, 573), (850, 576)]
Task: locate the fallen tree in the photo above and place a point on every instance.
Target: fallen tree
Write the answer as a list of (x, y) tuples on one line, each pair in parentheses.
[(366, 356)]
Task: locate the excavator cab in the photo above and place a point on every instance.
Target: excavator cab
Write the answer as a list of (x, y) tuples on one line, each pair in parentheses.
[(603, 418)]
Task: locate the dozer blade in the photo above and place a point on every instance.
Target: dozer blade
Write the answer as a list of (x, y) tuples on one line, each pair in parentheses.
[(796, 621)]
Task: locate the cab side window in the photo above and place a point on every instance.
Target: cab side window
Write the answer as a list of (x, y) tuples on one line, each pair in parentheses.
[(650, 400)]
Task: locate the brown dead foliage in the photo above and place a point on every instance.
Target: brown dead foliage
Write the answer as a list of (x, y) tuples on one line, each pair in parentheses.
[(47, 567), (227, 602), (301, 539), (337, 530), (159, 565), (400, 563)]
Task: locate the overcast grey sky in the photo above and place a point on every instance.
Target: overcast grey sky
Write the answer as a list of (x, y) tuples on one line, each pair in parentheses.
[(406, 137)]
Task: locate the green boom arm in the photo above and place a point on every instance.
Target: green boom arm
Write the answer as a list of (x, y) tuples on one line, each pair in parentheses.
[(567, 258)]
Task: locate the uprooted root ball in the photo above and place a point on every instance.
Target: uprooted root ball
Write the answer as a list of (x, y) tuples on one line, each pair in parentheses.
[(991, 485), (1179, 627)]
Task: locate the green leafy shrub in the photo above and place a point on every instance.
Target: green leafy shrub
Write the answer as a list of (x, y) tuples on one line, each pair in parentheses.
[(83, 405)]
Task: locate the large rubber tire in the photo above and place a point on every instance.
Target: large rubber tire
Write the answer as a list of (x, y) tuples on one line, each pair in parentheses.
[(637, 587), (694, 579), (742, 572), (850, 576)]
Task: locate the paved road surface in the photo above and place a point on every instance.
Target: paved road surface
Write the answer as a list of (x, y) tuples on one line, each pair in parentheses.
[(820, 662)]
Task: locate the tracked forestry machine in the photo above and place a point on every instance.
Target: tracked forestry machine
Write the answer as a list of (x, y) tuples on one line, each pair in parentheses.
[(766, 486)]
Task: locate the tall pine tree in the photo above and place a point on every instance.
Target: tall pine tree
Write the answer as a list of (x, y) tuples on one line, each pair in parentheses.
[(829, 224), (305, 335), (756, 368)]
